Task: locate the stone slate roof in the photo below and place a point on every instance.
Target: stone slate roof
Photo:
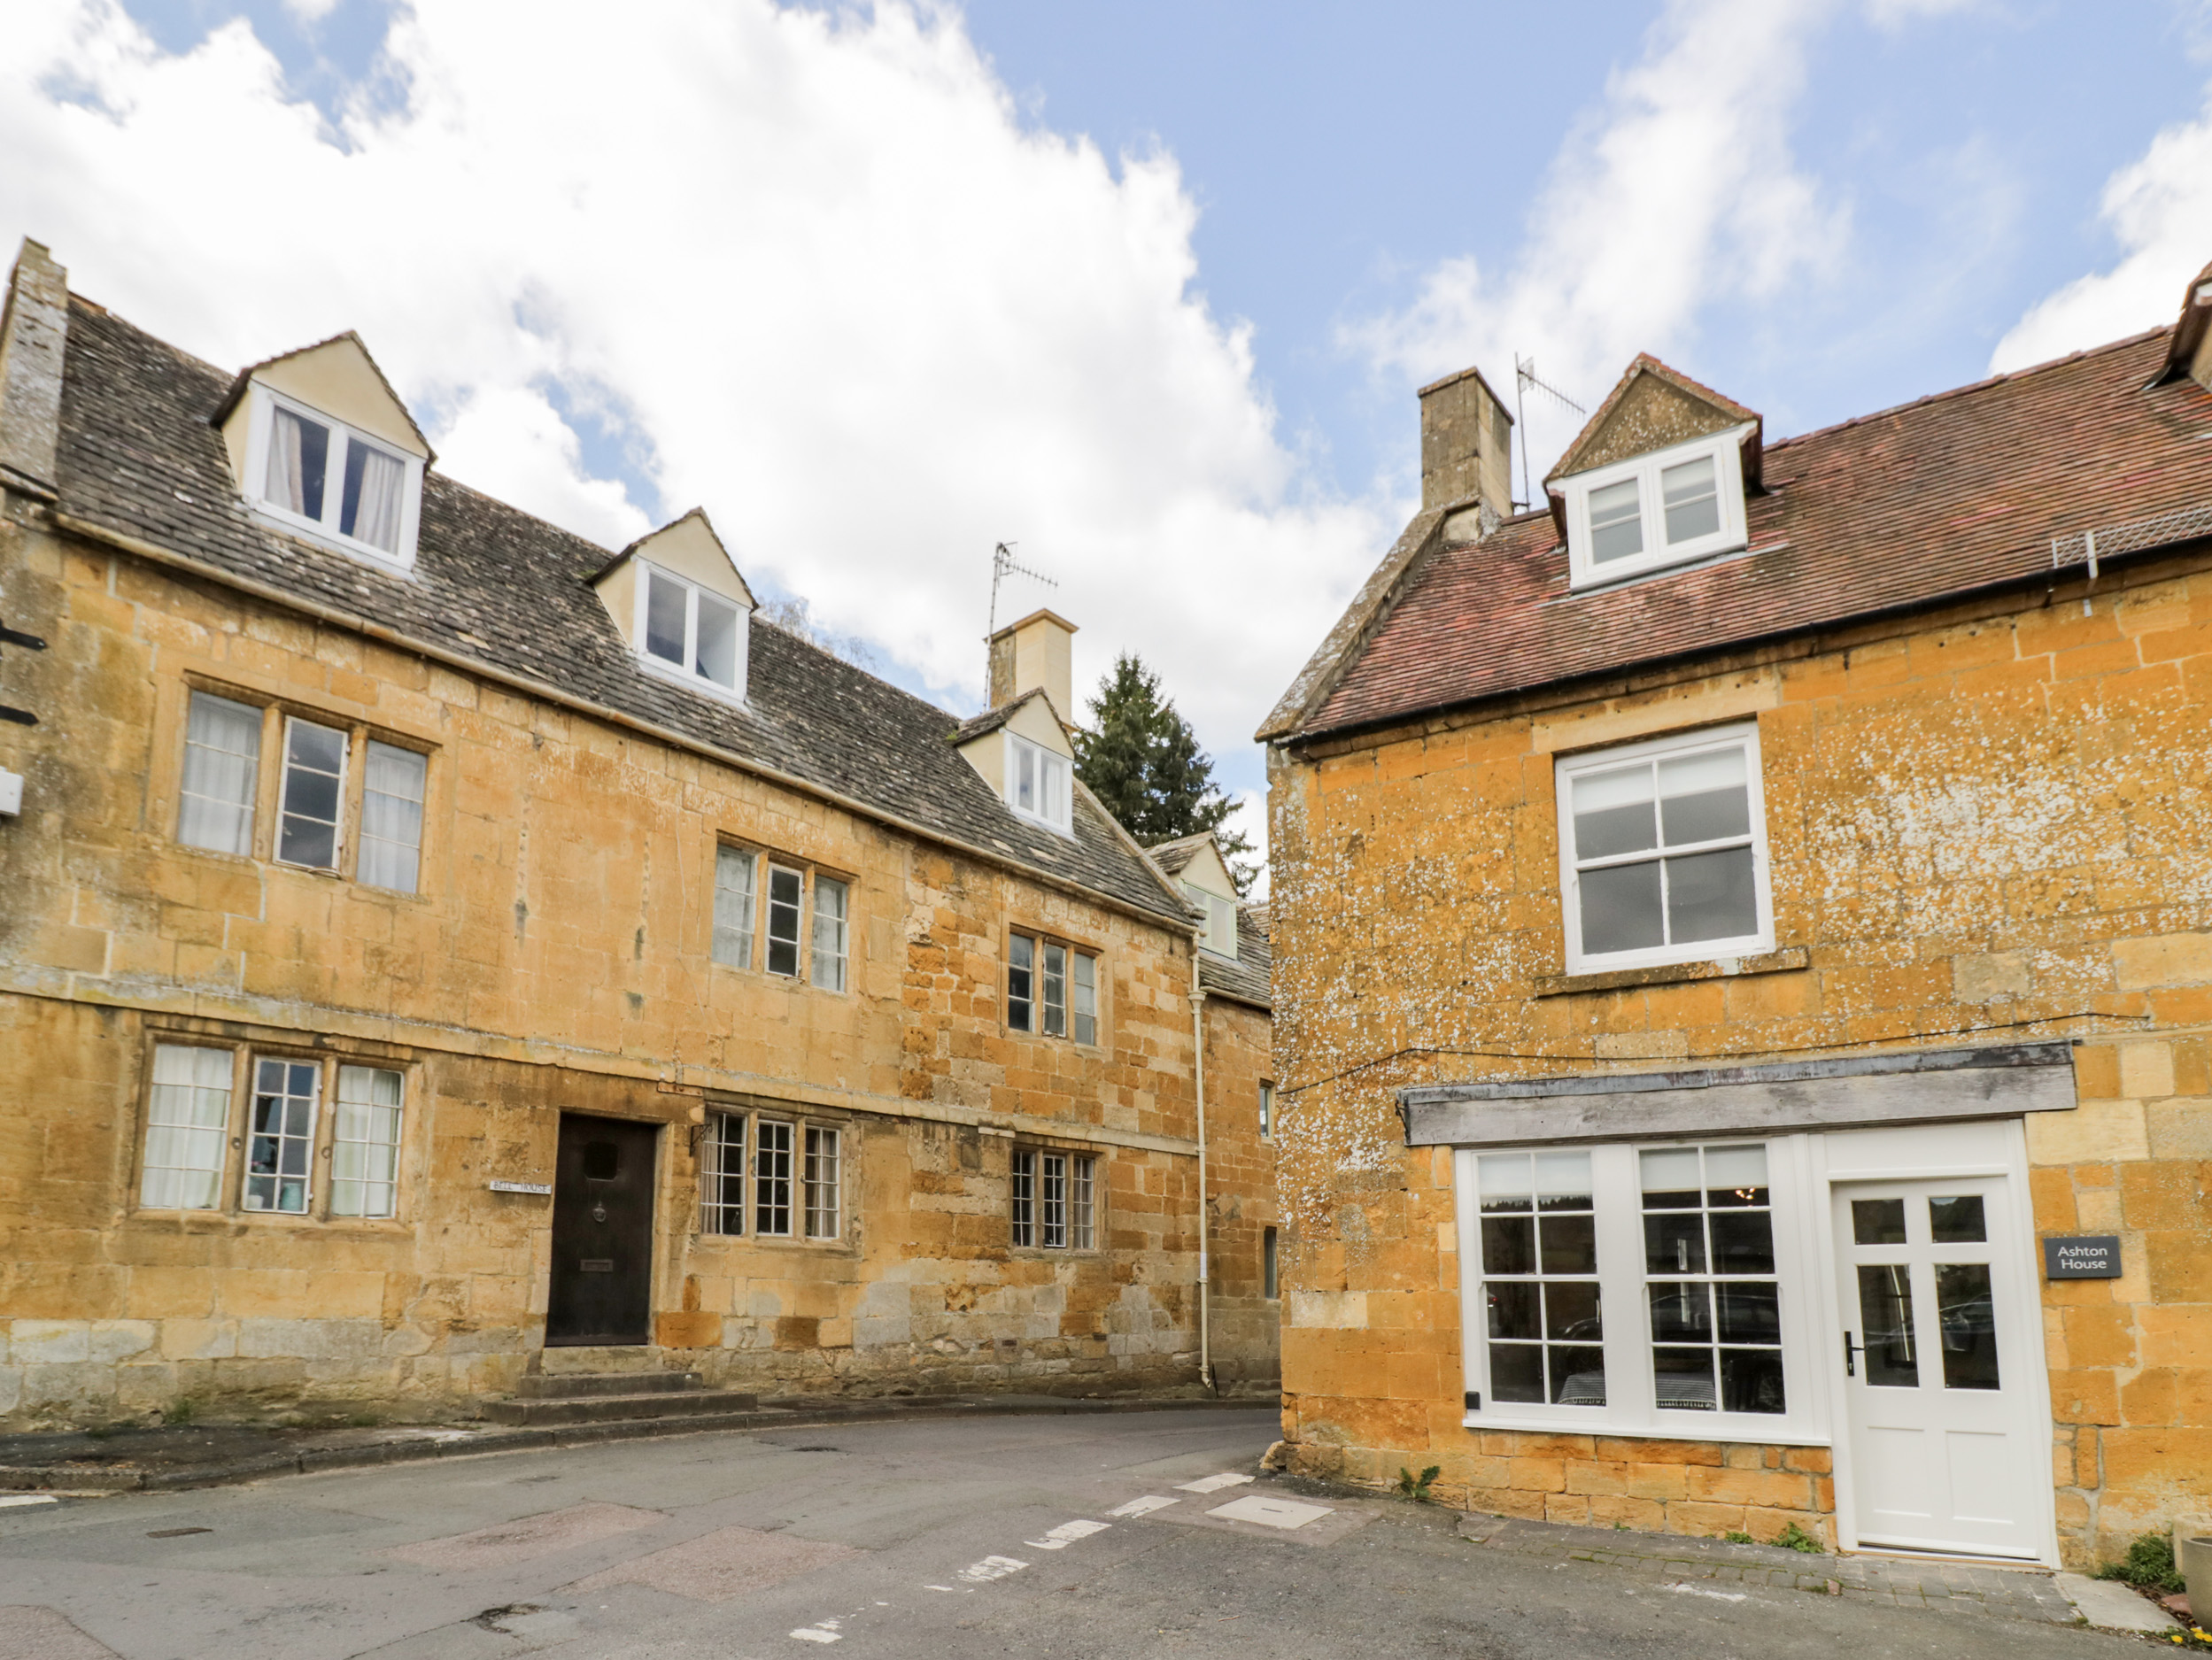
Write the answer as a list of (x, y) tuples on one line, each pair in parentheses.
[(1172, 856), (1960, 491), (494, 585), (1246, 979)]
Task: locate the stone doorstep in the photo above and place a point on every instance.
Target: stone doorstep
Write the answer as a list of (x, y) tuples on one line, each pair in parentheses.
[(472, 1443)]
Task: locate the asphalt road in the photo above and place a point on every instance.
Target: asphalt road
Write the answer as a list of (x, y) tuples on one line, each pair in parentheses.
[(977, 1537)]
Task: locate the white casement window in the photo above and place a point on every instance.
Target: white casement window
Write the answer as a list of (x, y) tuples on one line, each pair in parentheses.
[(1646, 1290), (313, 798), (722, 1175), (1682, 502), (1053, 1201), (831, 926), (222, 759), (187, 1129), (1037, 783), (1085, 969), (786, 893), (1218, 932), (392, 817), (771, 1177), (1021, 983), (365, 1143), (823, 1181), (735, 871), (1663, 851), (281, 1135), (687, 632), (311, 473)]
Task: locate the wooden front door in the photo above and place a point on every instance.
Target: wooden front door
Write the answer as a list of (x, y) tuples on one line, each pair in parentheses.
[(602, 1232)]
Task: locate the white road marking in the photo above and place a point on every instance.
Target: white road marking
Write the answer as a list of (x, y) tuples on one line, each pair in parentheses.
[(991, 1568), (1212, 1484), (1061, 1537), (1700, 1590), (7, 1502), (937, 1587), (815, 1633), (1284, 1513), (1142, 1507)]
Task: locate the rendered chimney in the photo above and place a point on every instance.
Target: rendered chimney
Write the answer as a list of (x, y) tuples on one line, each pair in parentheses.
[(34, 325), (1031, 653), (1466, 443)]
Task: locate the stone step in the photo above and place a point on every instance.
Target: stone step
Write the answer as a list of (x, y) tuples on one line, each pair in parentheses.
[(565, 1385), (687, 1403)]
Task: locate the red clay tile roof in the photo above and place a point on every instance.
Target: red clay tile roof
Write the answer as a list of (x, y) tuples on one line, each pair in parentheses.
[(1958, 491)]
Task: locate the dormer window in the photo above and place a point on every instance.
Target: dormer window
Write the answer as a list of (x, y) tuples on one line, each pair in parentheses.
[(319, 475), (684, 629), (1667, 507), (1218, 934), (1037, 785)]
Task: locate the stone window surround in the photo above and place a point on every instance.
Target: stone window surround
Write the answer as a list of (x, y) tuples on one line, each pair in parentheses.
[(268, 782), (329, 1055), (763, 857), (849, 1142), (1038, 939)]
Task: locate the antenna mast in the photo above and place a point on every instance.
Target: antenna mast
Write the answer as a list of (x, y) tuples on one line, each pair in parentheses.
[(1003, 566), (1524, 377)]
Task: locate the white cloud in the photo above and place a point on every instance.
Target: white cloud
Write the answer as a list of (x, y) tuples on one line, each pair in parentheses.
[(1677, 194), (811, 262), (2159, 208)]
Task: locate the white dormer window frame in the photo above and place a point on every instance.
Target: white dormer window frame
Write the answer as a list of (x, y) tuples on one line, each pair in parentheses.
[(1039, 785), (1658, 509), (1218, 935), (351, 457), (698, 672)]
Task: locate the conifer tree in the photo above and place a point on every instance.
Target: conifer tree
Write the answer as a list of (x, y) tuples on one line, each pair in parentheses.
[(1141, 760)]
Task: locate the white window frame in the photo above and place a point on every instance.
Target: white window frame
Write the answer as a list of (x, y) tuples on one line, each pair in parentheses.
[(261, 422), (1220, 933), (1799, 1207), (829, 936), (420, 802), (682, 674), (1569, 768), (747, 898), (1049, 1191), (1062, 821), (353, 1080), (1726, 448), (338, 844), (801, 929)]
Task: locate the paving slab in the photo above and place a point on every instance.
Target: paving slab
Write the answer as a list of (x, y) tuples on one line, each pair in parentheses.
[(2110, 1606)]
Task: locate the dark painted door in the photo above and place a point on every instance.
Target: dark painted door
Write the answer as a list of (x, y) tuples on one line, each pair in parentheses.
[(602, 1232)]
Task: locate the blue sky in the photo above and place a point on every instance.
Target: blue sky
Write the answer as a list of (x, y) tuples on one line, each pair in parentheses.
[(1145, 287)]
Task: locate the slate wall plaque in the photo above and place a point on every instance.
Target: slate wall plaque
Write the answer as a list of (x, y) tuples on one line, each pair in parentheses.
[(2082, 1257)]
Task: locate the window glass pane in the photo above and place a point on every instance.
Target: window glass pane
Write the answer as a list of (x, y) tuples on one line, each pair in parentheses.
[(1743, 1242), (1505, 1181), (1675, 1243), (771, 1177), (1616, 526), (1735, 1176), (1967, 1313), (281, 1126), (1570, 1244), (1270, 1278), (1709, 896), (314, 769), (1578, 1376), (1751, 1311), (1080, 1224), (1957, 1221), (392, 817), (1570, 1311), (734, 869), (1682, 1311), (1620, 908), (1024, 776), (1885, 1309), (365, 1143), (1563, 1181), (1513, 1308), (1681, 1379), (1751, 1380), (1613, 813), (1267, 1110), (717, 655), (1537, 1220), (722, 1176), (665, 604), (369, 510), (187, 1124), (784, 890), (1688, 1194), (1055, 990), (1509, 1245), (1052, 1200), (1516, 1371), (823, 1181), (1052, 787), (1693, 500), (1022, 1198), (1670, 1178), (1021, 956), (1877, 1221), (830, 897), (1705, 798), (222, 754), (1086, 1007), (299, 455)]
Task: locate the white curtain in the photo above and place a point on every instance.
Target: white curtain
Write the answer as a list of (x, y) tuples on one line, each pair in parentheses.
[(377, 509), (286, 487), (222, 745)]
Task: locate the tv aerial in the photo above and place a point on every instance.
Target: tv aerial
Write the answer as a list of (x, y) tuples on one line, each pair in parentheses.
[(1003, 565), (1524, 377)]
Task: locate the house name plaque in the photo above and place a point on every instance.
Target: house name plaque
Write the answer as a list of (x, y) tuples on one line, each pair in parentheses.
[(2084, 1256), (542, 1188)]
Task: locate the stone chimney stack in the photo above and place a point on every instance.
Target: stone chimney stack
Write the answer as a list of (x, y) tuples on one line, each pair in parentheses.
[(1031, 653), (33, 326), (1466, 444)]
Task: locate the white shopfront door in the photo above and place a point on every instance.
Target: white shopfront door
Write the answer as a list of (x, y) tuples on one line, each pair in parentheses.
[(1946, 1444)]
